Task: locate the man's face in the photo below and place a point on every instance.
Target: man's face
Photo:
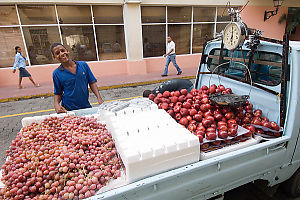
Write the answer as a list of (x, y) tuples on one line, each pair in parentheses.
[(19, 50), (169, 39), (61, 54)]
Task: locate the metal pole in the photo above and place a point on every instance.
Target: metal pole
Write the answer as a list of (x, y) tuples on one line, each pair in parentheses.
[(58, 25), (95, 35), (20, 25)]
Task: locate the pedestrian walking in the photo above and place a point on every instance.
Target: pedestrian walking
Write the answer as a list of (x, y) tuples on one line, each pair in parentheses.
[(171, 56), (20, 62), (71, 80)]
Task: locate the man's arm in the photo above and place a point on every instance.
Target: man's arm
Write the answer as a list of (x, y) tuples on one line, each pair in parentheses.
[(95, 90), (168, 53), (57, 106)]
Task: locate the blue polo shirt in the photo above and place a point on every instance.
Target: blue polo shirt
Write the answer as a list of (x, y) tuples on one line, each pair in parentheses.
[(73, 87)]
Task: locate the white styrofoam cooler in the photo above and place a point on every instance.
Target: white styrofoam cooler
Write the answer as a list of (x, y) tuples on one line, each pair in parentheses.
[(151, 142)]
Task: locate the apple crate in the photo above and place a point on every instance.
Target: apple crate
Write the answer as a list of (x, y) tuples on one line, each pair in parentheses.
[(151, 142)]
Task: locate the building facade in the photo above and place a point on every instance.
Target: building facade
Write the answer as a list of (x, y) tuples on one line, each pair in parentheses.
[(119, 36)]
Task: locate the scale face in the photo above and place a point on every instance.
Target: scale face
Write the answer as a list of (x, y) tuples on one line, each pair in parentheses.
[(234, 35)]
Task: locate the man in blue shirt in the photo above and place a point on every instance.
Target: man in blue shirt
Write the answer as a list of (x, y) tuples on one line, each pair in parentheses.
[(71, 80)]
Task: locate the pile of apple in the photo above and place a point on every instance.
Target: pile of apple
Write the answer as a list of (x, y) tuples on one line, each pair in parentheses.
[(217, 124), (68, 158)]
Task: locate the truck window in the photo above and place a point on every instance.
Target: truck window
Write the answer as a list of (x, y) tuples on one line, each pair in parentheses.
[(266, 68)]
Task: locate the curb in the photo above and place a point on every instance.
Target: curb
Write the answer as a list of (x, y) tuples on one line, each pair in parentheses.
[(99, 88)]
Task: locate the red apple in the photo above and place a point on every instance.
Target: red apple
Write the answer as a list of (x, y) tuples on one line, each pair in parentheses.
[(200, 133), (204, 100), (177, 109), (237, 138), (216, 143), (231, 121), (197, 117), (222, 128), (204, 146), (206, 123), (229, 115), (204, 87), (208, 113), (223, 134), (166, 94), (246, 120), (211, 136), (203, 107), (186, 105), (266, 124), (274, 126), (249, 134), (165, 106), (196, 106), (257, 113), (228, 90), (189, 96), (218, 117), (181, 98), (178, 116), (234, 126), (184, 91), (201, 128), (184, 112), (265, 119), (218, 90), (225, 110), (189, 101), (221, 123), (210, 129), (184, 121), (171, 112), (193, 112), (189, 118), (251, 129), (174, 99), (192, 128), (151, 97), (197, 101), (211, 118), (232, 132), (260, 131), (156, 100), (177, 93), (200, 138)]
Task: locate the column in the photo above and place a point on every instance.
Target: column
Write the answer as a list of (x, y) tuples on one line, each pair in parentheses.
[(133, 38)]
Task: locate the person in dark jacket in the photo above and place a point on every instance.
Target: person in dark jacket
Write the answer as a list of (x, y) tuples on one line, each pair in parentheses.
[(170, 85)]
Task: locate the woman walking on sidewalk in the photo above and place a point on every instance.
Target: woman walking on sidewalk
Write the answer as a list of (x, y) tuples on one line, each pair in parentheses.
[(20, 62)]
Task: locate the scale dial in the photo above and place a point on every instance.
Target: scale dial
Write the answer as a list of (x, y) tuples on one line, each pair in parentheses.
[(234, 35)]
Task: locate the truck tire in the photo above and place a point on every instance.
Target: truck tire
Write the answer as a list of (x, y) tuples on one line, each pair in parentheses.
[(292, 186)]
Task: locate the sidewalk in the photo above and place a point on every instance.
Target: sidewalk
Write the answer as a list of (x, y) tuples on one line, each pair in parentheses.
[(104, 82)]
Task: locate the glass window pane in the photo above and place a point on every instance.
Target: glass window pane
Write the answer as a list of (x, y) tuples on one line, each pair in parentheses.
[(74, 14), (154, 38), (38, 42), (179, 14), (108, 14), (31, 14), (153, 14), (8, 15), (111, 42), (79, 40), (220, 27), (10, 37), (223, 15), (181, 35), (202, 14), (199, 34)]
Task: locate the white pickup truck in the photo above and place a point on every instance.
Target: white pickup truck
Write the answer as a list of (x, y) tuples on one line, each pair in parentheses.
[(275, 73)]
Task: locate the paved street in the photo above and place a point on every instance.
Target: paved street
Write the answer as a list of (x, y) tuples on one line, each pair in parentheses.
[(9, 126)]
